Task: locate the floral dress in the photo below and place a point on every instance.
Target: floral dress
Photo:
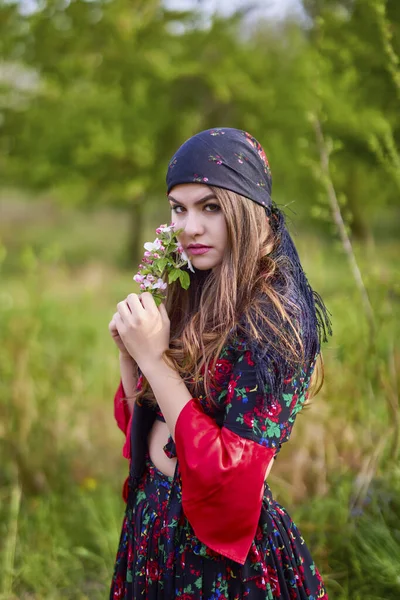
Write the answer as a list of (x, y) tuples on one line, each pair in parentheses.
[(171, 544)]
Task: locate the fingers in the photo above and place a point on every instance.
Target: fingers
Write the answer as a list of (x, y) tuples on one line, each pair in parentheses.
[(147, 301), (124, 311), (163, 313), (112, 326), (130, 309), (135, 306)]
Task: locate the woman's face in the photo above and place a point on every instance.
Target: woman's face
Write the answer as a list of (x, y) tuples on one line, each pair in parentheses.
[(196, 210)]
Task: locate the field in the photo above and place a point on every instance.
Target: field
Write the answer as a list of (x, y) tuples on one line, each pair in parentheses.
[(62, 469)]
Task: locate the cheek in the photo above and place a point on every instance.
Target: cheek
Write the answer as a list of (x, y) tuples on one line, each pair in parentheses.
[(177, 219), (222, 231)]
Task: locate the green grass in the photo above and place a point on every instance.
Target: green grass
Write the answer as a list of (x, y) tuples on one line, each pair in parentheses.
[(62, 470)]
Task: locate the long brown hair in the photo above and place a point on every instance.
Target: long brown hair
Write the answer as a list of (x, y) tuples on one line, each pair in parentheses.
[(217, 300)]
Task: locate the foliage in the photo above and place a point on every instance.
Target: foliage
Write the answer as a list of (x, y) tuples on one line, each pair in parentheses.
[(94, 99), (357, 102), (120, 85), (62, 470)]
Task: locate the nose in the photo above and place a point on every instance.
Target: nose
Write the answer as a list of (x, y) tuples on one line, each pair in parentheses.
[(193, 225)]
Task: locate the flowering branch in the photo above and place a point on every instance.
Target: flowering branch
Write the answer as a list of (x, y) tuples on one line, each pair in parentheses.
[(163, 257)]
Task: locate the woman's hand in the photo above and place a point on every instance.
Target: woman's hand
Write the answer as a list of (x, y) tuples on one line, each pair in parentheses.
[(112, 327), (144, 329)]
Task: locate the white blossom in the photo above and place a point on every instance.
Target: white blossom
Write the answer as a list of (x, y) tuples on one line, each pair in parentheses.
[(160, 284), (164, 229), (185, 256), (151, 246)]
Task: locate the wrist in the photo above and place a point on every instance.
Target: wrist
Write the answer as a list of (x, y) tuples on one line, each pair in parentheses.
[(155, 368)]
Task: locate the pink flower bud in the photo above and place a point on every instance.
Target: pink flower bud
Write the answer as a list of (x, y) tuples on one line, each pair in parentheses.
[(142, 286), (147, 253)]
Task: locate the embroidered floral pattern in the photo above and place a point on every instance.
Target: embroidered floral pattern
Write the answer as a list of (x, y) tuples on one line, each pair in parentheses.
[(172, 163), (159, 555), (256, 144), (217, 159), (228, 158), (241, 157), (255, 414), (198, 179)]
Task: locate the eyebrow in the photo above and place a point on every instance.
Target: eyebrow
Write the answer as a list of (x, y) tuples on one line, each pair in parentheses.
[(201, 201)]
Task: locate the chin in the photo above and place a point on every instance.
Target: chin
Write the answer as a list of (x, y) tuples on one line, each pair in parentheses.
[(203, 265)]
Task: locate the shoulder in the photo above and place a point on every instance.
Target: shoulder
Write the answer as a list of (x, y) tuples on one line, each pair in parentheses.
[(263, 339)]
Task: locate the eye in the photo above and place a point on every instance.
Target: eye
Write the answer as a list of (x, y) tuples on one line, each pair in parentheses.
[(175, 208)]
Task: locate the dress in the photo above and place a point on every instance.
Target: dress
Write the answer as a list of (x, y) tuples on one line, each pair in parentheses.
[(185, 537)]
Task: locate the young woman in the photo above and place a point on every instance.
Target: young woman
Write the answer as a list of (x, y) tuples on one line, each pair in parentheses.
[(211, 383)]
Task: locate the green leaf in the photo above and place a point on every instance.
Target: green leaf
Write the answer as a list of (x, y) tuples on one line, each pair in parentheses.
[(158, 299), (273, 430), (287, 398), (156, 265), (198, 583), (173, 276), (162, 263), (184, 279)]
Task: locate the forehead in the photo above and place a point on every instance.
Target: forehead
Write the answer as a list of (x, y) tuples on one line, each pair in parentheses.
[(189, 192)]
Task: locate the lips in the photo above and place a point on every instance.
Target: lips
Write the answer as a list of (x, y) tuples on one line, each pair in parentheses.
[(198, 250), (197, 246)]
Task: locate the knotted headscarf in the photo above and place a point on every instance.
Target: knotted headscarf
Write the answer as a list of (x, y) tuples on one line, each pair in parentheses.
[(234, 160), (227, 158)]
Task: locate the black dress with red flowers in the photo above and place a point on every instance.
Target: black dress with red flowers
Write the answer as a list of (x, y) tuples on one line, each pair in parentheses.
[(213, 530)]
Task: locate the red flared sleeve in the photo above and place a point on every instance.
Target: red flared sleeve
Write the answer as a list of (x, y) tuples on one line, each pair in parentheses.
[(222, 482), (123, 417), (121, 409), (223, 468)]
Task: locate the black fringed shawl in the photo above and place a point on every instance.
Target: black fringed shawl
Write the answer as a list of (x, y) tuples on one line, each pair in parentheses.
[(305, 306)]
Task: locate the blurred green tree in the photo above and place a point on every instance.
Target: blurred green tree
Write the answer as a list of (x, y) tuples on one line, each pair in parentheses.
[(357, 98), (115, 87)]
